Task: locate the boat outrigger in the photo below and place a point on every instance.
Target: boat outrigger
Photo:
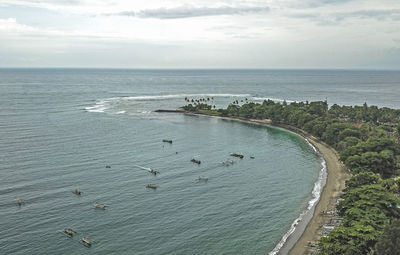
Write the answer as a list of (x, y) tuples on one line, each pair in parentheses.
[(195, 161), (151, 186), (77, 192), (237, 155), (85, 241), (167, 141), (99, 206)]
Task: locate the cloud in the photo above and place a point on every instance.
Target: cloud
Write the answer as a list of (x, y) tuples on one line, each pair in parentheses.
[(47, 4), (378, 14), (11, 24), (335, 18), (185, 11), (11, 28)]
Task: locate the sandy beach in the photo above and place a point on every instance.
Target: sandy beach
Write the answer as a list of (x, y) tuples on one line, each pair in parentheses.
[(309, 228)]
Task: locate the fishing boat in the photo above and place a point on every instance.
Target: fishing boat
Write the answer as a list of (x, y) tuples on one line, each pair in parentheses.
[(151, 186), (77, 192), (167, 141), (202, 178), (85, 241), (252, 157), (108, 166), (99, 206), (237, 155), (69, 232), (195, 161), (155, 172)]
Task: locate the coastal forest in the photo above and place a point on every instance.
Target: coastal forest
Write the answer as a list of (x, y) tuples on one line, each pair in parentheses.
[(367, 139)]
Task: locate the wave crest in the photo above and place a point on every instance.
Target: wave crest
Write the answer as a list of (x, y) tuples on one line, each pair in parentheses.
[(316, 193)]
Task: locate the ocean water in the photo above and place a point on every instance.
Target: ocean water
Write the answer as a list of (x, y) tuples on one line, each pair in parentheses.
[(59, 128)]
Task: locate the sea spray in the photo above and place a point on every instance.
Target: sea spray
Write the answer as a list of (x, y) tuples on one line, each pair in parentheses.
[(316, 193)]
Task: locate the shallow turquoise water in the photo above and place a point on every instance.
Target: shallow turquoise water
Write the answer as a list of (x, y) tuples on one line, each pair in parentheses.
[(60, 128)]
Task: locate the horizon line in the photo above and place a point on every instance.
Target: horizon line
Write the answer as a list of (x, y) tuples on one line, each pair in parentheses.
[(214, 68)]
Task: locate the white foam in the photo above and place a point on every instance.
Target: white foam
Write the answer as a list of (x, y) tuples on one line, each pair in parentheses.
[(121, 112), (100, 106), (95, 108), (161, 97), (103, 104), (270, 98), (316, 193)]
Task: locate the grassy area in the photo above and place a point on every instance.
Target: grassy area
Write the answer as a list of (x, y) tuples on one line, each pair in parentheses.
[(212, 112)]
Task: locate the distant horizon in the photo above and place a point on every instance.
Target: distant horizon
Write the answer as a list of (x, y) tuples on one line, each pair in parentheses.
[(209, 68)]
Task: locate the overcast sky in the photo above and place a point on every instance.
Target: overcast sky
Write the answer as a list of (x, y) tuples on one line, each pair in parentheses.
[(200, 33)]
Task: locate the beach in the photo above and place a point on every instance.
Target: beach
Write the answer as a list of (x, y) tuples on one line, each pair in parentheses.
[(307, 230)]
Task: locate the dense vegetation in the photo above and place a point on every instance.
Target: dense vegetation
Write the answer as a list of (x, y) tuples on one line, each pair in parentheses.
[(367, 139)]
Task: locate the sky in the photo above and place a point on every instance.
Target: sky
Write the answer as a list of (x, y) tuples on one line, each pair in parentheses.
[(344, 34)]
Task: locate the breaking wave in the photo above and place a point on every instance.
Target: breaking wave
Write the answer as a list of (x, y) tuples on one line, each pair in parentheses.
[(316, 193), (270, 98), (102, 105)]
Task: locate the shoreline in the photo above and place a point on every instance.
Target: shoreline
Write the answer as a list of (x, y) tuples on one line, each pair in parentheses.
[(306, 229)]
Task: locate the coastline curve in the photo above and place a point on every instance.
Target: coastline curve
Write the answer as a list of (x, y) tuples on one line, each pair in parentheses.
[(327, 188)]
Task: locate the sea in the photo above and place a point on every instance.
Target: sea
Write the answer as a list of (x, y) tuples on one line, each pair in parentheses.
[(96, 130)]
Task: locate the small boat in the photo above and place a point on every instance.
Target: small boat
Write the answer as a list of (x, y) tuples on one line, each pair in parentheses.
[(167, 141), (77, 192), (151, 186), (252, 157), (108, 166), (202, 178), (155, 172), (69, 232), (195, 161), (86, 241), (237, 155), (99, 206)]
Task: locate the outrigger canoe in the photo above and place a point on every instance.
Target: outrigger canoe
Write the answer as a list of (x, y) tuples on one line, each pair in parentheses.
[(68, 232), (151, 186), (99, 206), (196, 161), (85, 241), (237, 155)]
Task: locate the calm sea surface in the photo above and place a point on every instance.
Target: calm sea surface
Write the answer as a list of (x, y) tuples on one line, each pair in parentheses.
[(59, 128)]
